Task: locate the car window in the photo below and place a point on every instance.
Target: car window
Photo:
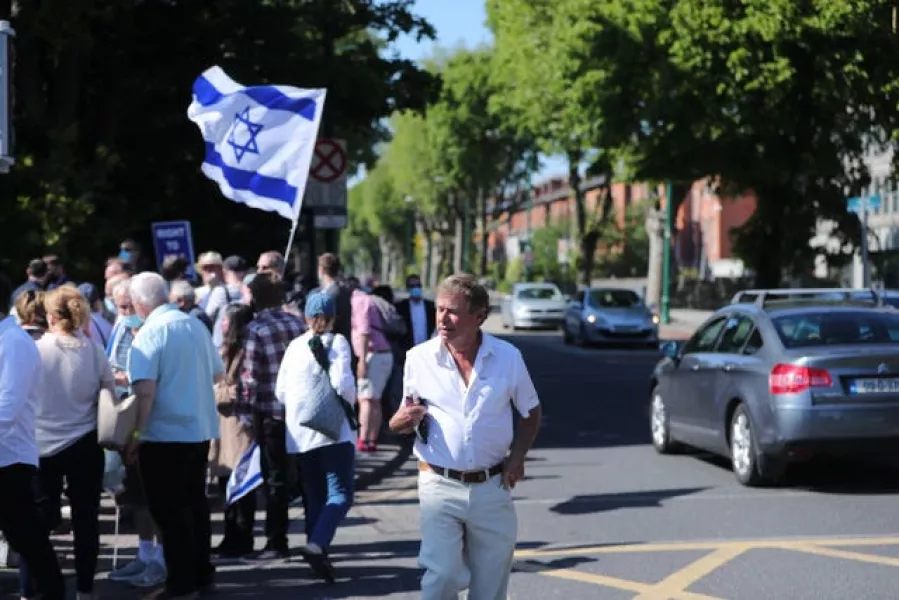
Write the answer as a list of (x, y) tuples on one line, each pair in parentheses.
[(754, 344), (704, 339), (613, 299), (539, 293), (826, 328), (736, 332)]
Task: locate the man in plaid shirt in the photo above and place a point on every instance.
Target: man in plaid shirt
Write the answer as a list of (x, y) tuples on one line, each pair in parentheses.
[(268, 336)]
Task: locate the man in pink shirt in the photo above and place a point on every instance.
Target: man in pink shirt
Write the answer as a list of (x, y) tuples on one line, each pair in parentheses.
[(375, 362)]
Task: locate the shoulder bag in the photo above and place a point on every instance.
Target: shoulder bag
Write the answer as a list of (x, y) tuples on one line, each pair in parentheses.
[(323, 409), (116, 417)]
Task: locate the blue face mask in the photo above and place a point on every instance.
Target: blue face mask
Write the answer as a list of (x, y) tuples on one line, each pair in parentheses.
[(415, 293), (124, 256), (110, 306), (132, 321)]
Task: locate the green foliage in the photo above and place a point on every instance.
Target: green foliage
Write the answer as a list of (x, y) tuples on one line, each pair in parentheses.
[(625, 251), (783, 97), (103, 144)]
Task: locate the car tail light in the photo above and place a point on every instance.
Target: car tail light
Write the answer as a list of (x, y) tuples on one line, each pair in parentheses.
[(792, 379)]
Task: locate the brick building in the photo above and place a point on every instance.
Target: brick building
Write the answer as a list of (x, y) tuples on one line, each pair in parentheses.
[(702, 224)]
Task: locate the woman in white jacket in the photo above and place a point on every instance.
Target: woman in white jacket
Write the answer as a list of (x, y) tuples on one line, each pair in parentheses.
[(326, 465)]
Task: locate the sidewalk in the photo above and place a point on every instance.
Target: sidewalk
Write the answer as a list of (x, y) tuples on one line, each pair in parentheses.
[(233, 579)]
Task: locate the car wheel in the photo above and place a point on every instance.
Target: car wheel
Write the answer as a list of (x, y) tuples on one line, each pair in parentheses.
[(566, 336), (659, 424), (751, 467)]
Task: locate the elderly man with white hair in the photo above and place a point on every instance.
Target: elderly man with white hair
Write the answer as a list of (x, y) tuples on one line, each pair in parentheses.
[(183, 295), (173, 367)]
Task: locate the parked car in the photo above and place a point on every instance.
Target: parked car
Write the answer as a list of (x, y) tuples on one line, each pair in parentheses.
[(610, 315), (533, 305), (784, 378)]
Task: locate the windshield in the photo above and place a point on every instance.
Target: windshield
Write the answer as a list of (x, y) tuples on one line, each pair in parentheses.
[(827, 328), (539, 293), (613, 299)]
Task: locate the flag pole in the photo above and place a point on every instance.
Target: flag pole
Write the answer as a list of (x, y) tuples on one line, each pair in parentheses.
[(293, 232)]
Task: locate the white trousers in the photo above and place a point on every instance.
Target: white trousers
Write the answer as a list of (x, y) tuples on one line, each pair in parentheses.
[(468, 534)]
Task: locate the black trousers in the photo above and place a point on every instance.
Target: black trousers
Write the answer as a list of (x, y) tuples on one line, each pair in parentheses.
[(81, 466), (271, 436), (174, 477), (25, 530)]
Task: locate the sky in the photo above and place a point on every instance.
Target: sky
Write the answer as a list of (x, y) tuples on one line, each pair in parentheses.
[(461, 23)]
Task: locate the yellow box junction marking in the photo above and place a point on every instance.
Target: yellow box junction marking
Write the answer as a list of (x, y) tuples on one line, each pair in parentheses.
[(674, 586)]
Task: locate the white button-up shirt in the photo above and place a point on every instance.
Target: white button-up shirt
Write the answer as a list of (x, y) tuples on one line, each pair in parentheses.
[(470, 427), (20, 368)]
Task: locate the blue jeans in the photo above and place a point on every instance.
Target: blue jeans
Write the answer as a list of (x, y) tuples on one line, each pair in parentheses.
[(326, 475)]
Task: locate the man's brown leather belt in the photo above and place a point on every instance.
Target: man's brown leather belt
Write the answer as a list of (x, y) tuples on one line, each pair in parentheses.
[(463, 476)]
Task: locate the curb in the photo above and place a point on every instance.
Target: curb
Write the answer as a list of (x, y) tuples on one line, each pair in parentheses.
[(375, 476)]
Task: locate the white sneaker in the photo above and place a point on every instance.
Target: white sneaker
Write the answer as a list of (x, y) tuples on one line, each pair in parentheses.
[(129, 571), (152, 576)]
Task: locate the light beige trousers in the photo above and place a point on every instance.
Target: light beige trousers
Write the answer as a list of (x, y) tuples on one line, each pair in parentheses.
[(468, 534)]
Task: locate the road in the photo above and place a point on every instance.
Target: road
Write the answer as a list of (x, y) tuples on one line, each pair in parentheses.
[(602, 516)]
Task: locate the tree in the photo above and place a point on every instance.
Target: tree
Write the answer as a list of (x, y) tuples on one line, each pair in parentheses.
[(103, 144), (477, 148), (551, 79), (782, 98)]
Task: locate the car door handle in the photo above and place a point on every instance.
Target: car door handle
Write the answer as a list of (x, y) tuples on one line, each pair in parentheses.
[(727, 368)]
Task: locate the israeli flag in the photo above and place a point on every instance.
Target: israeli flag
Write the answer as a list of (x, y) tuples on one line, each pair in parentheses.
[(259, 139), (246, 476)]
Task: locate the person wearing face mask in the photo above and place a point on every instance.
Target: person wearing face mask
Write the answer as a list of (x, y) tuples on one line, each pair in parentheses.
[(148, 568), (418, 313)]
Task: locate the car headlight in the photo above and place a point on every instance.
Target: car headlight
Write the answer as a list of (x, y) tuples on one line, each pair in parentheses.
[(591, 319), (655, 319), (521, 311)]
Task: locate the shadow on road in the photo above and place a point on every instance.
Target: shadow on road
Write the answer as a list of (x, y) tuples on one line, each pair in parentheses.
[(837, 476), (594, 503)]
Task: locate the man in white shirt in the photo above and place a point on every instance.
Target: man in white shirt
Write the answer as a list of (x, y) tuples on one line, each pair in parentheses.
[(22, 527), (460, 389)]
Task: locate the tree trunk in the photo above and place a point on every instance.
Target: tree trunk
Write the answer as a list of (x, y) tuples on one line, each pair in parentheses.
[(459, 246), (587, 245), (655, 231), (485, 235), (384, 247)]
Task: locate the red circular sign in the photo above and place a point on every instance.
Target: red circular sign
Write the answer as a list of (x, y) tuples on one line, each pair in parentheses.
[(332, 161)]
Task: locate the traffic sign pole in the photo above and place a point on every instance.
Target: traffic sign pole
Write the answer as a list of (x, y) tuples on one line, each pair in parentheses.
[(866, 267)]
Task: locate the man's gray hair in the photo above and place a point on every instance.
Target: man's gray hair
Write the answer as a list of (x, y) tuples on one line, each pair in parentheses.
[(149, 290), (184, 290), (123, 286), (275, 258), (475, 294)]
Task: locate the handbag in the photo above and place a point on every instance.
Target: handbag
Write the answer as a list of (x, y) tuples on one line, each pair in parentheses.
[(116, 417), (323, 409)]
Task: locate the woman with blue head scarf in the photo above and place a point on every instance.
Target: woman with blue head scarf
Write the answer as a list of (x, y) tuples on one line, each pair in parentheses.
[(326, 464)]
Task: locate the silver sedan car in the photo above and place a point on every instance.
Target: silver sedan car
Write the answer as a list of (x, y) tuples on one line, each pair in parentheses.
[(768, 383), (610, 315), (533, 305)]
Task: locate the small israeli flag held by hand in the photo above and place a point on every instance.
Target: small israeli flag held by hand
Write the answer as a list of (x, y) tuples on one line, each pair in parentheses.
[(259, 139), (246, 476)]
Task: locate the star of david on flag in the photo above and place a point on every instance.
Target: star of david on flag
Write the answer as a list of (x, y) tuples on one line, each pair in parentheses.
[(259, 139)]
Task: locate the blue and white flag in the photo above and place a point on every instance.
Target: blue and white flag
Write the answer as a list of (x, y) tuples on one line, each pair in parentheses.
[(246, 476), (259, 139)]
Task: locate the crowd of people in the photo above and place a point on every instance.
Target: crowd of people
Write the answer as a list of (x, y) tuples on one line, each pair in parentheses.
[(216, 365), (239, 361)]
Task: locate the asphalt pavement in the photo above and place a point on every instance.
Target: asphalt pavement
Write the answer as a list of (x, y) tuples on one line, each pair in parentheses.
[(602, 516)]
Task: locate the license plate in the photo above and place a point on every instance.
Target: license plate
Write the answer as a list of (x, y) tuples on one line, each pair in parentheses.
[(627, 328), (874, 386)]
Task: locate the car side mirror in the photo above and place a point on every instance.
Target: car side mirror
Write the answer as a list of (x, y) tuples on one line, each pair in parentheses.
[(670, 349), (568, 298)]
